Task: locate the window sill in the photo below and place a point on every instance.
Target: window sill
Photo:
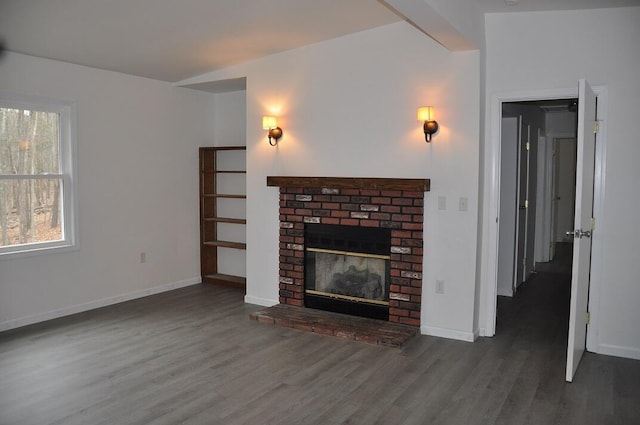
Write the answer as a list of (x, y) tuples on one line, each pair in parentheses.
[(30, 251)]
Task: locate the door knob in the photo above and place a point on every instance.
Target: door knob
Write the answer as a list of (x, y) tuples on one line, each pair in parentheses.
[(579, 233), (585, 233)]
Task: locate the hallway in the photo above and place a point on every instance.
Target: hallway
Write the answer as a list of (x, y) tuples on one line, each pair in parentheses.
[(541, 304)]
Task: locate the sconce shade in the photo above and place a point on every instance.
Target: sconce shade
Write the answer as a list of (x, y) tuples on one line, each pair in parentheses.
[(426, 115), (269, 122)]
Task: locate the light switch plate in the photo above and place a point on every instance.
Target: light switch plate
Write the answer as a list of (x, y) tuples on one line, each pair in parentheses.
[(442, 203)]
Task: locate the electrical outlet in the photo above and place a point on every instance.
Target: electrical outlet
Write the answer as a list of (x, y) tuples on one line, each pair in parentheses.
[(439, 286), (442, 203), (143, 257), (463, 204)]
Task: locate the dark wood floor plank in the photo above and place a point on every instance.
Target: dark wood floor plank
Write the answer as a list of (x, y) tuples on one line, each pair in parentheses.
[(626, 397), (193, 356)]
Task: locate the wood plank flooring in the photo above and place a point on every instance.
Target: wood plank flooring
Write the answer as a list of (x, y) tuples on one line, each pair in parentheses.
[(193, 356)]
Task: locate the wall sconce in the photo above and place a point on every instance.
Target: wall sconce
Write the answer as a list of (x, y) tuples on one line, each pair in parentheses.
[(269, 123), (426, 115)]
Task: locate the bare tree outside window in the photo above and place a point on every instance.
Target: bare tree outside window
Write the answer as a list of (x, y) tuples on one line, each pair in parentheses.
[(30, 177)]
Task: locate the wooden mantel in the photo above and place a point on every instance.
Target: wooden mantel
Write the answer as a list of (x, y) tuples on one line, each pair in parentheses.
[(375, 183)]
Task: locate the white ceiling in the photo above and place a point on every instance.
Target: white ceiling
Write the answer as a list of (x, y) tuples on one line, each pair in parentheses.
[(173, 40), (497, 6)]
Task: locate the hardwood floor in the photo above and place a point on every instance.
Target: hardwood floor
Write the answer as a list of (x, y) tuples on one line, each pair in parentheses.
[(193, 356)]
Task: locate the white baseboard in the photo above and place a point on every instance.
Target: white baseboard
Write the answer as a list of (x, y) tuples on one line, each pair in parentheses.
[(448, 333), (265, 302), (619, 351), (91, 305)]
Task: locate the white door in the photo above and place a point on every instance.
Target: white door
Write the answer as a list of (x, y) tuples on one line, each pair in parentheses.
[(583, 227)]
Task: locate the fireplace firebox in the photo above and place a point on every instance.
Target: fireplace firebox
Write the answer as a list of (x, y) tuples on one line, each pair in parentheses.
[(347, 269)]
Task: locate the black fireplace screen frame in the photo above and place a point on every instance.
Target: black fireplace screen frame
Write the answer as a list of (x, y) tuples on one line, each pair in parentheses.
[(374, 243)]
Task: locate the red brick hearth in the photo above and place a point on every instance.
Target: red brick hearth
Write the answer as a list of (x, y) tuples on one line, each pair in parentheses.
[(397, 204)]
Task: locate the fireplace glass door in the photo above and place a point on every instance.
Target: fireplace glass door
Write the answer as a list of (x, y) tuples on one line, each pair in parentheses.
[(347, 270)]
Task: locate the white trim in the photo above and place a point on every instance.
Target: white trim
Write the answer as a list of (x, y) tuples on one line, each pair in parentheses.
[(490, 224), (619, 351), (449, 333), (597, 251), (264, 302), (91, 305), (67, 152)]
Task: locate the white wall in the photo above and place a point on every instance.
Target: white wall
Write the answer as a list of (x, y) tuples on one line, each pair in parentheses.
[(229, 119), (229, 127), (566, 151), (347, 107), (601, 46), (563, 126), (137, 157)]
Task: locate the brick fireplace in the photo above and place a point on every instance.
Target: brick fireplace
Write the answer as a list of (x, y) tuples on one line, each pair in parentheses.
[(390, 203)]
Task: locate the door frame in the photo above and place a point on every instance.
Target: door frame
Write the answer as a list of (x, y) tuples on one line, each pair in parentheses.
[(522, 216), (490, 227), (509, 145)]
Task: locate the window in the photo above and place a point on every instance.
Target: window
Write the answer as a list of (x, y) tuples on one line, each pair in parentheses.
[(37, 205)]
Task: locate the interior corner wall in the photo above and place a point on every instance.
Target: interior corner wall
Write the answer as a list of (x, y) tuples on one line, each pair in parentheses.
[(600, 45), (466, 17), (229, 119), (137, 160), (347, 107)]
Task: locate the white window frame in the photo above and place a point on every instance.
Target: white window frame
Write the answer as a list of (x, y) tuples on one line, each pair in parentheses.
[(66, 110)]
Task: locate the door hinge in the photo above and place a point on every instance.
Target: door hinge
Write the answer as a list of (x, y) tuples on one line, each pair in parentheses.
[(526, 203), (596, 127), (587, 317), (528, 146)]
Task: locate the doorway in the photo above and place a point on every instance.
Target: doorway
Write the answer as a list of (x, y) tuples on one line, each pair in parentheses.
[(537, 198), (590, 253), (537, 175)]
